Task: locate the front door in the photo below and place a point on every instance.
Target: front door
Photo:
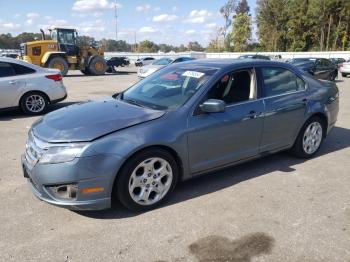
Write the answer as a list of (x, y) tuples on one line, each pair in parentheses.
[(219, 139)]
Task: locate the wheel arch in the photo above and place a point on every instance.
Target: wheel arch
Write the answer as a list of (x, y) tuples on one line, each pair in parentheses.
[(33, 91), (324, 119), (49, 55), (169, 149)]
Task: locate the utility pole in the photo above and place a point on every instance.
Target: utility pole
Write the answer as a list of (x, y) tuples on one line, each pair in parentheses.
[(135, 45), (116, 19)]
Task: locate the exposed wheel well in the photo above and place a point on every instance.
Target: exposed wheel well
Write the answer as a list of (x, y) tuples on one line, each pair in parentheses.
[(53, 56), (34, 91), (324, 120)]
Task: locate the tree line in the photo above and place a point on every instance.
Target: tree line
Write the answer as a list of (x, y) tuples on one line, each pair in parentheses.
[(284, 25), (7, 41)]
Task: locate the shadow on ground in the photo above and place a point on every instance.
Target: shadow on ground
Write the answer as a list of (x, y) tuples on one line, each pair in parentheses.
[(118, 73), (9, 115), (206, 184)]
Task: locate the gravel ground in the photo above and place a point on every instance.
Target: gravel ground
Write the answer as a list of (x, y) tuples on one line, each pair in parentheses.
[(274, 209)]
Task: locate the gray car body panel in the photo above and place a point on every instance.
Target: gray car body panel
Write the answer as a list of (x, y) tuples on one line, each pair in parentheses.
[(200, 141), (90, 120)]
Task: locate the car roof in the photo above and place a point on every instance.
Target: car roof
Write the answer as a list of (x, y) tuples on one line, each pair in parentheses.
[(228, 63), (20, 62)]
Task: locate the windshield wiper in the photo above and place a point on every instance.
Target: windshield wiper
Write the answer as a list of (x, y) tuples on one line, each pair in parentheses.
[(133, 102)]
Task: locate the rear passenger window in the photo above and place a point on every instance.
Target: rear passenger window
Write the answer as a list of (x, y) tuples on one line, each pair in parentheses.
[(22, 70), (6, 70), (279, 81)]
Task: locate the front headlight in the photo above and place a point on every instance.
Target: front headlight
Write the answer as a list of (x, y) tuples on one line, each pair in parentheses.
[(61, 154)]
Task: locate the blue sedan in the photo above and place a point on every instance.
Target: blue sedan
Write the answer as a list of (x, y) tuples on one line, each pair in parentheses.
[(187, 119)]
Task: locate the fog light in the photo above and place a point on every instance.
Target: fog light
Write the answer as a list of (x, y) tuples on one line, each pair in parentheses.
[(89, 190), (68, 192)]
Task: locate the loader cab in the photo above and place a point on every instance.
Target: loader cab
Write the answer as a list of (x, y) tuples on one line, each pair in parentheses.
[(67, 40)]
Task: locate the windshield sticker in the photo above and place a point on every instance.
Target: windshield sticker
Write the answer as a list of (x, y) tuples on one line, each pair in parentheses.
[(170, 76), (193, 74)]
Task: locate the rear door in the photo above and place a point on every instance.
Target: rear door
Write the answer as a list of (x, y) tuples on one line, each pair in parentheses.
[(12, 82), (284, 95), (8, 85)]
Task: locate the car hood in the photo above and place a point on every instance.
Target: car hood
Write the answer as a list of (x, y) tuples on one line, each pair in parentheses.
[(90, 120)]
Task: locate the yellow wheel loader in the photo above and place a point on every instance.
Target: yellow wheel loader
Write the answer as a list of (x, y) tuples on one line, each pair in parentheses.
[(63, 52)]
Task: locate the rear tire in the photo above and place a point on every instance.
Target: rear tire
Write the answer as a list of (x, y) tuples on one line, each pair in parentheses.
[(97, 66), (59, 63), (146, 180), (310, 138), (344, 75), (34, 103)]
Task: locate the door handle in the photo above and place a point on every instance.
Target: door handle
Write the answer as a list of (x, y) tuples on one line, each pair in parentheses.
[(12, 82), (252, 114)]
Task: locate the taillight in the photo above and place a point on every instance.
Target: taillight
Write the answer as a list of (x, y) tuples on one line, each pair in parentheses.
[(56, 77)]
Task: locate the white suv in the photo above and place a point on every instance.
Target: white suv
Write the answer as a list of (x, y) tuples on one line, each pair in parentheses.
[(29, 87), (344, 68)]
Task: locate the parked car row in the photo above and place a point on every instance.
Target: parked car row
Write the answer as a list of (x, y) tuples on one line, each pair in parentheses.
[(320, 68)]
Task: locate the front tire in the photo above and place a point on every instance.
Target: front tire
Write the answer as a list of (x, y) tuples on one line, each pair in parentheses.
[(146, 180), (97, 66), (343, 75), (60, 64), (34, 103), (310, 138)]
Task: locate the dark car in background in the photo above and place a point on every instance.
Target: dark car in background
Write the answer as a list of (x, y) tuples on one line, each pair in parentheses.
[(337, 61), (320, 68), (263, 57), (114, 62)]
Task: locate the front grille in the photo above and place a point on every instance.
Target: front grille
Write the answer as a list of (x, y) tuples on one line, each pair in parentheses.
[(34, 150)]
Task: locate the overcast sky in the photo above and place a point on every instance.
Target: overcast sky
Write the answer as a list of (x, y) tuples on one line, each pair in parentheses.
[(162, 21)]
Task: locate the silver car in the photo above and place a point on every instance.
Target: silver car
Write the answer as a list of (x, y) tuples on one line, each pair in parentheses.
[(184, 120), (29, 87), (147, 70)]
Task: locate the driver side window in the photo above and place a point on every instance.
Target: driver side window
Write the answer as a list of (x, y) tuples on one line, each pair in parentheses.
[(235, 87)]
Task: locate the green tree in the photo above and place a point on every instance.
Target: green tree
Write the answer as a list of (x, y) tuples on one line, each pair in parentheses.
[(242, 32), (147, 47), (195, 46), (242, 7)]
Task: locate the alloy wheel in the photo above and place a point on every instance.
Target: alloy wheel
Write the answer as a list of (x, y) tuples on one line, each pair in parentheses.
[(35, 103), (312, 138), (150, 181)]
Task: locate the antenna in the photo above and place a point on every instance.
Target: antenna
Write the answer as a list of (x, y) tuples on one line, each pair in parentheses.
[(116, 19)]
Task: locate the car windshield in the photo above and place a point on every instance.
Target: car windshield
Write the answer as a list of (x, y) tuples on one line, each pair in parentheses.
[(169, 88), (163, 61)]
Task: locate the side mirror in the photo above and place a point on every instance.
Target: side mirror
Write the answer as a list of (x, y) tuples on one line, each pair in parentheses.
[(213, 106), (311, 71), (115, 95)]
